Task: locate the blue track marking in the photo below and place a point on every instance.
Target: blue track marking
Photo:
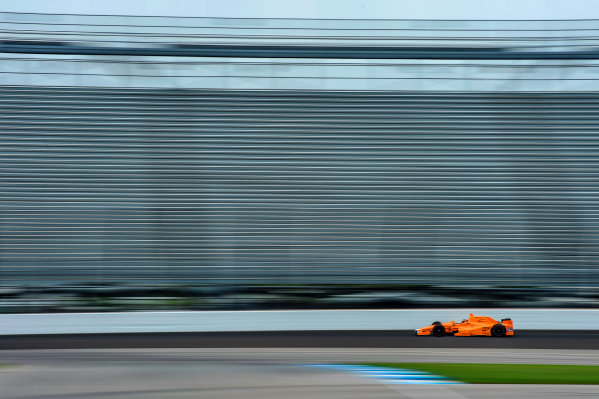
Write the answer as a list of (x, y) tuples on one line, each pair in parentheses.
[(390, 375)]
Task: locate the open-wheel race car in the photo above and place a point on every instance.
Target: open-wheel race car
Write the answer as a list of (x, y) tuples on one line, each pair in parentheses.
[(474, 325)]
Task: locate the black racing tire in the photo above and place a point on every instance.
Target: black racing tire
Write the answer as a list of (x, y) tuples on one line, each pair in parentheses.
[(435, 322), (498, 330), (438, 330)]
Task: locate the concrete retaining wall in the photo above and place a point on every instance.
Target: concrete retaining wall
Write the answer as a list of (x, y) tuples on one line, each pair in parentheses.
[(301, 320)]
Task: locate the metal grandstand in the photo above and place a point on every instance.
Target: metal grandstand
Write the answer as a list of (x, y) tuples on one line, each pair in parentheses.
[(132, 153)]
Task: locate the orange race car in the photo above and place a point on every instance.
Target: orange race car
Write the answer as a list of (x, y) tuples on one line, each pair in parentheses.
[(474, 325)]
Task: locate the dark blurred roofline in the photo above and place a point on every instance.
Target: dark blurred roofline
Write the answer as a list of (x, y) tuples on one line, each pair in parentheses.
[(323, 52)]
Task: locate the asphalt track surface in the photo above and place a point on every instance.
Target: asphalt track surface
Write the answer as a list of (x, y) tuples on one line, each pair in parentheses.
[(258, 373), (528, 339), (269, 365)]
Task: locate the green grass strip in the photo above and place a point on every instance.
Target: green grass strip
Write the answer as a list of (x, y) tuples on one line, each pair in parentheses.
[(506, 373)]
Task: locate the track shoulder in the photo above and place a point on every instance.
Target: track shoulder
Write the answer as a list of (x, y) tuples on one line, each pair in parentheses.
[(526, 339)]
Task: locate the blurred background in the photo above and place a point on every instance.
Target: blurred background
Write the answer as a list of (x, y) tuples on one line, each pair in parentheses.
[(281, 163)]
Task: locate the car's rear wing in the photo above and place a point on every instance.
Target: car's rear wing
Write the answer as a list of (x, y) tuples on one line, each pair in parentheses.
[(509, 326)]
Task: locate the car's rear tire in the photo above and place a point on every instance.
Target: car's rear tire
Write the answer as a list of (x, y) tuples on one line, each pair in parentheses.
[(438, 330), (498, 330)]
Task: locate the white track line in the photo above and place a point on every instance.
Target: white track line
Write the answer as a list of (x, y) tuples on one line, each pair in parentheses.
[(391, 375)]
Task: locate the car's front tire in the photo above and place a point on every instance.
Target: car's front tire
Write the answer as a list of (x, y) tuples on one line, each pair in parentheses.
[(438, 330)]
